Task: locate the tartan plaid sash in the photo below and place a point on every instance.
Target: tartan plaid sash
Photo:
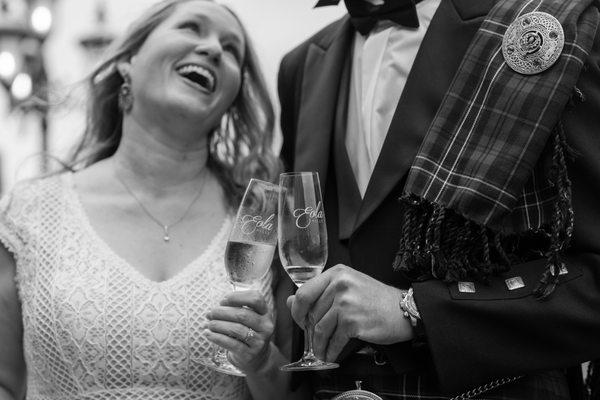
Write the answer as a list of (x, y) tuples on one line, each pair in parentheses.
[(493, 160)]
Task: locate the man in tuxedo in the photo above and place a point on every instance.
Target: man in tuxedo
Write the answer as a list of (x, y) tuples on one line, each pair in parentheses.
[(357, 100)]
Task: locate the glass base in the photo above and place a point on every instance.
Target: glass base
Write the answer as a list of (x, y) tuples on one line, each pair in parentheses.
[(220, 365), (309, 364)]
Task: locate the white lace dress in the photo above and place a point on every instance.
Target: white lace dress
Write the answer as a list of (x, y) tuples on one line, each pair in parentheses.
[(94, 327)]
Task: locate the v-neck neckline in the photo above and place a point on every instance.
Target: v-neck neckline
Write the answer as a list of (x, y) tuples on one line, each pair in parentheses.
[(126, 267)]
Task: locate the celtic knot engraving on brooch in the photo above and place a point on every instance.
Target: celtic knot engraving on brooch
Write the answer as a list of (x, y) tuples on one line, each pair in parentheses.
[(533, 43)]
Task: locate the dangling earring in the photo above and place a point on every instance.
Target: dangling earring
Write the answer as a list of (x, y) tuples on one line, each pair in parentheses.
[(125, 95)]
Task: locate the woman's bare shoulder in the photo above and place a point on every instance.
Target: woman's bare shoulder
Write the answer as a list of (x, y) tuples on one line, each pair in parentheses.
[(95, 179)]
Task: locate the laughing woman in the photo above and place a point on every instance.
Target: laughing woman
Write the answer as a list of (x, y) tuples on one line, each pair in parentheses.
[(107, 271)]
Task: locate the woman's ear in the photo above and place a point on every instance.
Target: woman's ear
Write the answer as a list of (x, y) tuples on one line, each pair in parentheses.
[(125, 98), (124, 68)]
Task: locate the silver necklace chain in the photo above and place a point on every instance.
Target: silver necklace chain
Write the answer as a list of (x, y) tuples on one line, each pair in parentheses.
[(165, 227)]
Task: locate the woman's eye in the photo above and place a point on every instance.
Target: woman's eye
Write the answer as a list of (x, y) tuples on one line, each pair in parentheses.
[(233, 49), (194, 27)]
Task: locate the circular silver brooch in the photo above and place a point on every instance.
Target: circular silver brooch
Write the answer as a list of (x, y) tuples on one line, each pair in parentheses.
[(533, 43)]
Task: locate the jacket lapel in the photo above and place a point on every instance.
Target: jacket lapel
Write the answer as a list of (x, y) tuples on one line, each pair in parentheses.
[(348, 194), (430, 77), (320, 86)]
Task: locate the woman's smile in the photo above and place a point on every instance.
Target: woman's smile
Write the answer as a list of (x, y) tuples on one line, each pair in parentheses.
[(198, 76)]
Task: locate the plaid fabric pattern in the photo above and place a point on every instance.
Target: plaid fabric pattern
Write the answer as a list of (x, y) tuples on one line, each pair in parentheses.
[(546, 385), (381, 380), (483, 155)]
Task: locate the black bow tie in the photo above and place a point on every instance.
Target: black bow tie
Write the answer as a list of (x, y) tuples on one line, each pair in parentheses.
[(364, 15)]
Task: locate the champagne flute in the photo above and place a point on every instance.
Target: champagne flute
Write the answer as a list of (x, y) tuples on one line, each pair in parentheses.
[(249, 252), (302, 246)]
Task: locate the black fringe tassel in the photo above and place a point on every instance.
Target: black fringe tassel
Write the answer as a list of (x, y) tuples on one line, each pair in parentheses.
[(561, 229), (438, 243)]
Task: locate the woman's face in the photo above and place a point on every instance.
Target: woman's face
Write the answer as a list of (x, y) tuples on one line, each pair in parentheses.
[(189, 67)]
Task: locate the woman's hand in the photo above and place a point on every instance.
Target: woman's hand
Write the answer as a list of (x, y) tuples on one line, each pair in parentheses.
[(243, 325)]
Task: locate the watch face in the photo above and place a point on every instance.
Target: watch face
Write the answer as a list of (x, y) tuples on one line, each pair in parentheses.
[(357, 395)]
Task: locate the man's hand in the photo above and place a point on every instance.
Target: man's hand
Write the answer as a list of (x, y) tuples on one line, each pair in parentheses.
[(344, 303)]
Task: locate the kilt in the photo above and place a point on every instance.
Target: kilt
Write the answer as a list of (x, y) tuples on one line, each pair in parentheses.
[(383, 381)]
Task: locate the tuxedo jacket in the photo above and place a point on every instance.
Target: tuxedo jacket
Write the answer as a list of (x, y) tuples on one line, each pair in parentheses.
[(472, 338)]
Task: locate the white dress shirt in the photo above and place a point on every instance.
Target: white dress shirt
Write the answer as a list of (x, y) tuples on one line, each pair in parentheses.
[(381, 63)]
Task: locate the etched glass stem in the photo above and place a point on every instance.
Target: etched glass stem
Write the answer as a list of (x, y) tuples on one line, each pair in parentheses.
[(309, 332)]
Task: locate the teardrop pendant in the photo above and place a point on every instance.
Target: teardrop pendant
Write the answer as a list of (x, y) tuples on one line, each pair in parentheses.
[(166, 238)]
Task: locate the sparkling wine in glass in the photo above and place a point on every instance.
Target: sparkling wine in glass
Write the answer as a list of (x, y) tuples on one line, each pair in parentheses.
[(302, 246), (249, 251)]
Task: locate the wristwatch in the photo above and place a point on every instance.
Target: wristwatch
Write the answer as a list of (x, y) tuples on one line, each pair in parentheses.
[(409, 307)]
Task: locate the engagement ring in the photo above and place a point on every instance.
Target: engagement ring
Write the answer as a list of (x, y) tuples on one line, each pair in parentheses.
[(249, 335)]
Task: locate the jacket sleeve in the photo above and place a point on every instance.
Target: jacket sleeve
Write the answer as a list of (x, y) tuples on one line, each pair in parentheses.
[(496, 332)]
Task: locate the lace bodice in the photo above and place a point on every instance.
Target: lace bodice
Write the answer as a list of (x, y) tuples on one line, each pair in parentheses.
[(94, 327)]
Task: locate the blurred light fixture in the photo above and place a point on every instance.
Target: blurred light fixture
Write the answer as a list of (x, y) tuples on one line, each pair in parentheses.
[(8, 65), (22, 86), (41, 19), (24, 26), (99, 37)]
